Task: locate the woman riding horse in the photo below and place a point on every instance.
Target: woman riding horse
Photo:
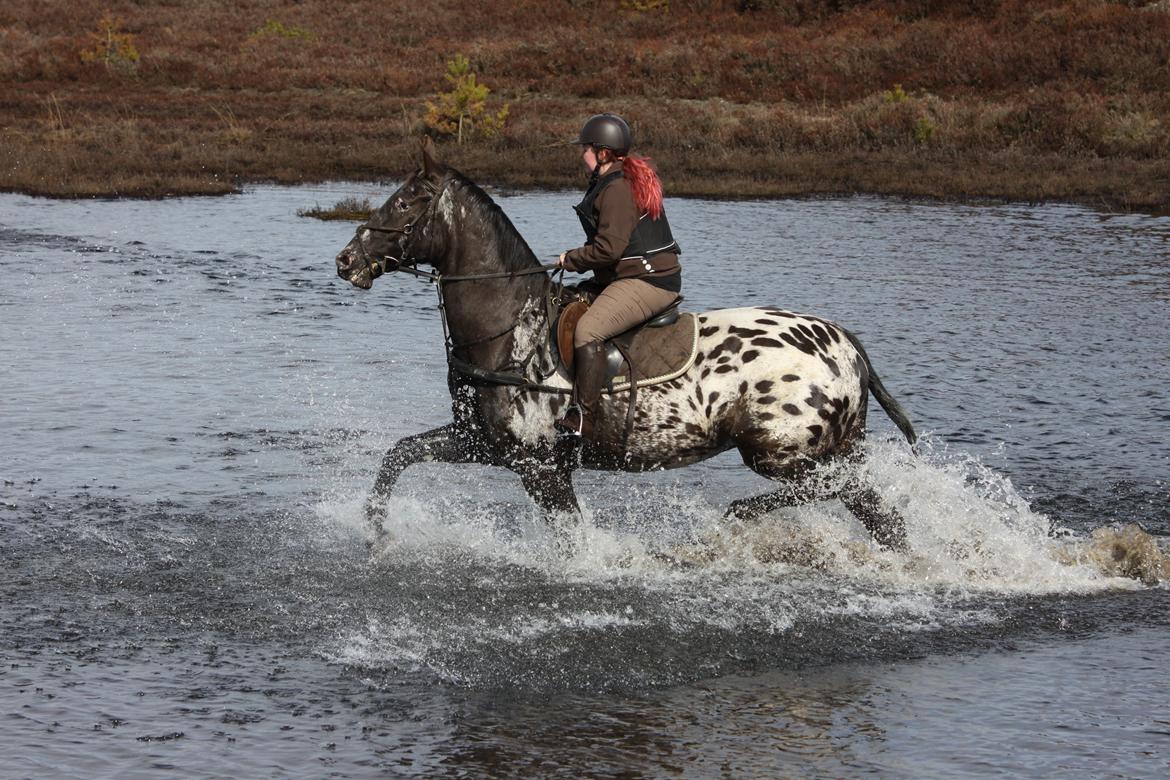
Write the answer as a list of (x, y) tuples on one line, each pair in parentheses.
[(630, 250), (789, 391)]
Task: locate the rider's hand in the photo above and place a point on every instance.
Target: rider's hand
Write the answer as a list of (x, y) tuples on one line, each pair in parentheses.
[(561, 260)]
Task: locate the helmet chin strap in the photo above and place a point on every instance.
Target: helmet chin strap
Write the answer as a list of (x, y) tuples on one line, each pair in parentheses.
[(596, 166)]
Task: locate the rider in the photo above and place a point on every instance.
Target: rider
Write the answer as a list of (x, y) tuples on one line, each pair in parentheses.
[(630, 250)]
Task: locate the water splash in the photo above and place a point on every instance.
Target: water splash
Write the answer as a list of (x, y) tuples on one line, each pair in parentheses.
[(968, 526), (487, 593)]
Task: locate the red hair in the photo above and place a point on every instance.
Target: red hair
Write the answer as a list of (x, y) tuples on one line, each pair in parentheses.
[(644, 184)]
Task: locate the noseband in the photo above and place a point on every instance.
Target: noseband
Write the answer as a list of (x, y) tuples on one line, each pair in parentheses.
[(375, 265)]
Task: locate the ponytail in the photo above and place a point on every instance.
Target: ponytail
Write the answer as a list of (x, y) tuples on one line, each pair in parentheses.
[(644, 184)]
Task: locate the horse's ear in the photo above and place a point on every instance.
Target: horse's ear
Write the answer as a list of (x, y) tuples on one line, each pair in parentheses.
[(432, 167)]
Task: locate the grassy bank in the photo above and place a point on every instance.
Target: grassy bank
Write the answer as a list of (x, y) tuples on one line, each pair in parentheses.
[(1030, 100)]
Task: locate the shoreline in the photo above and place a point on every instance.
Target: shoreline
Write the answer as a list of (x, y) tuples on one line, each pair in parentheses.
[(1094, 201)]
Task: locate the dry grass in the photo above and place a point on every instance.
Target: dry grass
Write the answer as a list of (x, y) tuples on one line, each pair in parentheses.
[(346, 209), (1032, 99)]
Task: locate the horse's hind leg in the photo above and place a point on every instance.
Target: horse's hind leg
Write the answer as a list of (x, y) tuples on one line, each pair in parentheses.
[(885, 524), (748, 509), (441, 445)]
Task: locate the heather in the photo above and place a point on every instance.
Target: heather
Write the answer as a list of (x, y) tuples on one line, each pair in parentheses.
[(1021, 99)]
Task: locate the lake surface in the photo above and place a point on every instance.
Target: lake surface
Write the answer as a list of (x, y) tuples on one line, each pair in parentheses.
[(194, 406)]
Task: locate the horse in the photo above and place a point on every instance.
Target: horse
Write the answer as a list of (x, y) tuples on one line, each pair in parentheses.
[(789, 391)]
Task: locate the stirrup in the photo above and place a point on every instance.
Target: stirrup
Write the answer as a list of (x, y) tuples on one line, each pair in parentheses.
[(565, 431)]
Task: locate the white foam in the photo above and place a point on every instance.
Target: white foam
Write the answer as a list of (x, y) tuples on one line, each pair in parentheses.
[(972, 535), (968, 529)]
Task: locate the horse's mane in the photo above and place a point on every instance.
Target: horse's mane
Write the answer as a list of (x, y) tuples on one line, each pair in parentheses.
[(515, 254)]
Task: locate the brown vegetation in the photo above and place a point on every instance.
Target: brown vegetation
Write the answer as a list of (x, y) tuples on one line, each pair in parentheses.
[(1026, 99), (351, 208)]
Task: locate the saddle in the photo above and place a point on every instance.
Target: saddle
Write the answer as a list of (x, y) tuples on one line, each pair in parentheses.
[(658, 350)]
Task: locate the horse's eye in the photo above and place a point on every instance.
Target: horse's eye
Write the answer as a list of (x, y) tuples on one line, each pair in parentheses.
[(400, 204)]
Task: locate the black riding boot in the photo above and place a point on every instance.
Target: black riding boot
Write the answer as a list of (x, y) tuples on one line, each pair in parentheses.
[(589, 378)]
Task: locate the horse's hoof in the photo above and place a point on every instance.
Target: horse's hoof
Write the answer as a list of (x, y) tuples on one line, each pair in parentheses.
[(375, 515)]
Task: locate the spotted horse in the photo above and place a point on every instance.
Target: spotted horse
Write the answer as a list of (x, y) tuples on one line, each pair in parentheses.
[(789, 391)]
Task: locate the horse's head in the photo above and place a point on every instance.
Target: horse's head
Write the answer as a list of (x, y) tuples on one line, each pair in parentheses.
[(391, 235)]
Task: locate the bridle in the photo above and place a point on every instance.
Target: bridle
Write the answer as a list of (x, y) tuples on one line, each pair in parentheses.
[(409, 265), (374, 265)]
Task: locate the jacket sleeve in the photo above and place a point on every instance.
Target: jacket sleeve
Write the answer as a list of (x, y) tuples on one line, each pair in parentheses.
[(616, 219)]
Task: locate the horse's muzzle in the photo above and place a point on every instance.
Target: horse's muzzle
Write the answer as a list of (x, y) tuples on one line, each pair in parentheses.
[(354, 270)]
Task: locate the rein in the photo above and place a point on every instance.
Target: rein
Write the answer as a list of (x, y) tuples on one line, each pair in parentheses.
[(489, 376)]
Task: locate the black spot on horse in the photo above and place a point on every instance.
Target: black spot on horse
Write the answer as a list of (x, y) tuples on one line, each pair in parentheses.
[(790, 378), (724, 369), (710, 330), (822, 335), (714, 397), (816, 398), (766, 343), (747, 333), (694, 429), (765, 415), (730, 345), (743, 386), (800, 341), (791, 408), (832, 364), (750, 355), (816, 432), (766, 321), (764, 386)]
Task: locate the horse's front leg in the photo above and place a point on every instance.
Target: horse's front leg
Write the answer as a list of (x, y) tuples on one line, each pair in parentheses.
[(443, 445), (549, 482), (551, 488)]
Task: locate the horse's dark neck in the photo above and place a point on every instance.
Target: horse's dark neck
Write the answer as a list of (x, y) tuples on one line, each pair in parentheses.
[(473, 237)]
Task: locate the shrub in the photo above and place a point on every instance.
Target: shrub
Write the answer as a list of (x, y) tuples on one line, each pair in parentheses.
[(923, 130), (110, 45), (350, 209), (277, 29), (464, 108), (895, 95)]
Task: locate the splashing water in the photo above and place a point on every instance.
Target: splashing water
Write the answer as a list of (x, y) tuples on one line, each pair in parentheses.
[(968, 527), (502, 586)]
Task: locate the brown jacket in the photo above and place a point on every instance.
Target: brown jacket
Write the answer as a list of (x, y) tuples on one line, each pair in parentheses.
[(617, 216)]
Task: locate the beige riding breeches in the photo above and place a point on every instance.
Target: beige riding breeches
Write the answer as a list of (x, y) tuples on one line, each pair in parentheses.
[(620, 306)]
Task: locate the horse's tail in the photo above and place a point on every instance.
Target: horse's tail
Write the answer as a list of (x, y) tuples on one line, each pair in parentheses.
[(891, 406)]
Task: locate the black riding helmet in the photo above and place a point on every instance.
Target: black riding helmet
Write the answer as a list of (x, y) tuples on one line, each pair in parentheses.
[(606, 131)]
